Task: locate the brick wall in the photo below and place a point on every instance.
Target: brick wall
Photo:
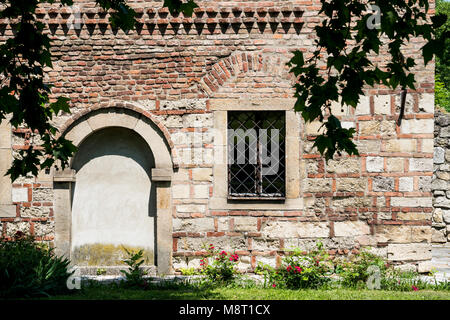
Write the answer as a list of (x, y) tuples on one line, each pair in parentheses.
[(175, 68)]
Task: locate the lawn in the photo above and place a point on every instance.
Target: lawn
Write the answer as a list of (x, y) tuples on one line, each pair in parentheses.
[(109, 293)]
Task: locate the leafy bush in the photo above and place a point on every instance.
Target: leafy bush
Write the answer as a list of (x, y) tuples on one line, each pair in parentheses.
[(219, 267), (189, 271), (442, 95), (29, 269), (134, 275), (299, 270), (356, 271)]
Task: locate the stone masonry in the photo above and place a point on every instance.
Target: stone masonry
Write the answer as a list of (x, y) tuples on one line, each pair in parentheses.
[(183, 74), (441, 178)]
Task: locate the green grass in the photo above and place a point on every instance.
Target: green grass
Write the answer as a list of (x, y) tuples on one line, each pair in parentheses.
[(109, 293)]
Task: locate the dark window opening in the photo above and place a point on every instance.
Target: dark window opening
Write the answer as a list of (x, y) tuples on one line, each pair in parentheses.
[(256, 155)]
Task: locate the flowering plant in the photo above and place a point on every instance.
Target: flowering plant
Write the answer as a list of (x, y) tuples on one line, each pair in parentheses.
[(218, 265), (299, 269)]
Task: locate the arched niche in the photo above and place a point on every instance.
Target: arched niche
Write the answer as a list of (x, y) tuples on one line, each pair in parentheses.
[(115, 144)]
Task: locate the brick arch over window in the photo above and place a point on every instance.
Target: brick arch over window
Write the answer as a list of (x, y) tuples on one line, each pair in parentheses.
[(238, 63), (122, 115), (83, 125)]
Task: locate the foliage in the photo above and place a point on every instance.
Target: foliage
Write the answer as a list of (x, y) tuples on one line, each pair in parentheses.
[(134, 275), (299, 270), (189, 271), (442, 84), (29, 269), (442, 94), (356, 271), (218, 266), (340, 66)]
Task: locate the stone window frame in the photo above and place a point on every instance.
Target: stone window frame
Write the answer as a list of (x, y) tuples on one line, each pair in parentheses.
[(293, 199)]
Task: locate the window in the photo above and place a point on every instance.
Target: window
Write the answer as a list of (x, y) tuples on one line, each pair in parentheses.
[(256, 155)]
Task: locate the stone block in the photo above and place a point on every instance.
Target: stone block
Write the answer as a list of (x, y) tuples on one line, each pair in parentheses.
[(395, 164), (363, 107), (317, 185), (417, 126), (351, 228), (403, 233), (439, 155), (193, 225), (401, 145), (245, 224), (201, 191), (351, 184), (406, 184), (346, 165), (426, 103), (289, 229), (421, 164), (19, 194), (425, 184), (191, 208), (375, 164), (438, 235), (202, 174), (382, 104), (369, 128), (383, 184), (180, 191), (411, 202), (409, 252)]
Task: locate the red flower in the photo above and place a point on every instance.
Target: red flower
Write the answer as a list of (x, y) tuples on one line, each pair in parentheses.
[(274, 285), (289, 268), (223, 253), (298, 269), (415, 288), (234, 257)]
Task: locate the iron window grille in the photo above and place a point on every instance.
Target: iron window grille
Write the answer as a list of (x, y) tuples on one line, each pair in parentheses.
[(256, 155)]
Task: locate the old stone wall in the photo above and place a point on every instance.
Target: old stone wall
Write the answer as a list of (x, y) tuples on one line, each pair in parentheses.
[(186, 73), (441, 178)]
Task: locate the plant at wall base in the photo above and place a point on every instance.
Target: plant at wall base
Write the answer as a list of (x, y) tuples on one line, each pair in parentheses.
[(29, 269), (189, 271), (219, 266), (299, 270), (356, 271), (134, 275)]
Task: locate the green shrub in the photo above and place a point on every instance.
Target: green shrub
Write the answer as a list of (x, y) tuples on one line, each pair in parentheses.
[(299, 270), (189, 271), (134, 275), (219, 267), (29, 269), (356, 271)]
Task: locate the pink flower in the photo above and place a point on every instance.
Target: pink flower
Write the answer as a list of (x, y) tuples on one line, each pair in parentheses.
[(234, 257), (415, 288), (274, 285), (298, 269)]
